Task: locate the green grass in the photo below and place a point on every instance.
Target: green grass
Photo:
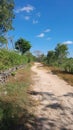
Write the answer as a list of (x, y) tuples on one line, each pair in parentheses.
[(15, 102)]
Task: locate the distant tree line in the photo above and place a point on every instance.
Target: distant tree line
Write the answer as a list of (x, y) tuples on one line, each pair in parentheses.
[(58, 58)]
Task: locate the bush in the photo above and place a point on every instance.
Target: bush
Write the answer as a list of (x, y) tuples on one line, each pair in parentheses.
[(10, 59), (68, 65)]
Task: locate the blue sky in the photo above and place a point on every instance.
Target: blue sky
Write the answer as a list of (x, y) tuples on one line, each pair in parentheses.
[(44, 23)]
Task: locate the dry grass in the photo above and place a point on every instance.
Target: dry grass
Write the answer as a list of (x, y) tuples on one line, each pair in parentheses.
[(17, 86), (68, 77), (15, 102)]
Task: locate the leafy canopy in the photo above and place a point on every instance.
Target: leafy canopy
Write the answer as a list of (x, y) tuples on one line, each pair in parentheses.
[(61, 51), (57, 56), (50, 57), (6, 15), (22, 45)]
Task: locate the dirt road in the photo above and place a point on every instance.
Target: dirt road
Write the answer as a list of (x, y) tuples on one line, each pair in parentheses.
[(55, 100)]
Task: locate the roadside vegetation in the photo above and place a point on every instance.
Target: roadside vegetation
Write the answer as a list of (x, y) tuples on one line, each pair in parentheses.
[(15, 102), (59, 62), (68, 77), (59, 58), (16, 111), (9, 59)]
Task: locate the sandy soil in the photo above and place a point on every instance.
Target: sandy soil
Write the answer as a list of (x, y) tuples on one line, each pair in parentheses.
[(55, 108)]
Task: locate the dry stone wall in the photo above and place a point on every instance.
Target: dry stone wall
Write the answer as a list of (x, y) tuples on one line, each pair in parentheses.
[(5, 74)]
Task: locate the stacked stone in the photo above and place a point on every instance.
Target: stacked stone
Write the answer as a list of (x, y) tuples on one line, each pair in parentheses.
[(4, 75)]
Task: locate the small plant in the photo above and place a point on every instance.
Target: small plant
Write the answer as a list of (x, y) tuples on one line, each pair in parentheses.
[(13, 73)]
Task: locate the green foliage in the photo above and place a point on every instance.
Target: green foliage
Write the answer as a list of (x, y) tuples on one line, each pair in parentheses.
[(15, 103), (13, 73), (6, 15), (58, 58), (10, 109), (51, 57), (22, 45), (61, 52), (10, 59), (8, 115), (30, 57), (3, 40), (68, 65)]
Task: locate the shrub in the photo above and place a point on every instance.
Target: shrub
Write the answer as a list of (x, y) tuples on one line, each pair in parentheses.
[(10, 59)]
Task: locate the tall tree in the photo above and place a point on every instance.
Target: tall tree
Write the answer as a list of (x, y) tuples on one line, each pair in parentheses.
[(22, 45), (6, 17), (61, 52), (51, 57)]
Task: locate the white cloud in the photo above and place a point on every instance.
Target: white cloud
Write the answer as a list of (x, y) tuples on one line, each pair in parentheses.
[(26, 17), (38, 14), (47, 30), (27, 9), (41, 35), (49, 38), (35, 21), (68, 42)]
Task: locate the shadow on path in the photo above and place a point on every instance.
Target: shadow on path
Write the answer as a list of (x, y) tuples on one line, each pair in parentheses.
[(61, 112)]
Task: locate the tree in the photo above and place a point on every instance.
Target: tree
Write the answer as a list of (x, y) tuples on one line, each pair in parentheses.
[(6, 15), (61, 52), (51, 57), (22, 45), (39, 55)]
